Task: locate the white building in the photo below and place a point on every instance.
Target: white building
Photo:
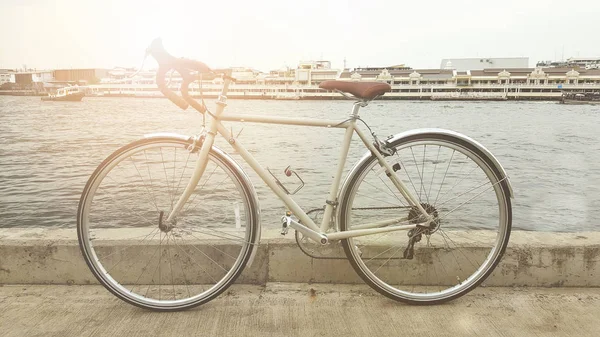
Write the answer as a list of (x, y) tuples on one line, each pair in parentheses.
[(480, 63), (315, 72), (584, 62), (7, 76)]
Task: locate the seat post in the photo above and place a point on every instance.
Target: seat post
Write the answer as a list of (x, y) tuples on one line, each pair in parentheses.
[(357, 105)]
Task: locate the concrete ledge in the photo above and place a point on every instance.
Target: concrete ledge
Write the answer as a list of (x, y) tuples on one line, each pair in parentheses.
[(52, 256)]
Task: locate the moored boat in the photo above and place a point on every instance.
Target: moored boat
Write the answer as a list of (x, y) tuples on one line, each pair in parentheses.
[(468, 96), (72, 94), (580, 98)]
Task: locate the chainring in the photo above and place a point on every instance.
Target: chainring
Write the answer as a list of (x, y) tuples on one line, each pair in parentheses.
[(314, 249)]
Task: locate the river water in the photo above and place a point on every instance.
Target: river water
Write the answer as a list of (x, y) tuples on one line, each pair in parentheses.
[(550, 151)]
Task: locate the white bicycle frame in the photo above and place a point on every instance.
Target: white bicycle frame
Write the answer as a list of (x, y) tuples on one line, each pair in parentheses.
[(307, 225)]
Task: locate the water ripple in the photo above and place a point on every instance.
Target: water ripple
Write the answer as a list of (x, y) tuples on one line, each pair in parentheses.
[(49, 149)]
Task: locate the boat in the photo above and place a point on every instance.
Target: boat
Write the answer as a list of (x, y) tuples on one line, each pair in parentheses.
[(72, 94), (580, 98), (287, 96), (468, 96)]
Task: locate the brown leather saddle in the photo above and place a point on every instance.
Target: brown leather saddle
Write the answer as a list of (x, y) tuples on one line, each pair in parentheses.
[(363, 90)]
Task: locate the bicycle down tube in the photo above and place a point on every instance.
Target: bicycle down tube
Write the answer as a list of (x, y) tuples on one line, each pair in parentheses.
[(216, 126)]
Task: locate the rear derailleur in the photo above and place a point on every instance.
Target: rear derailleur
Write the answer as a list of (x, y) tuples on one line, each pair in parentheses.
[(416, 234)]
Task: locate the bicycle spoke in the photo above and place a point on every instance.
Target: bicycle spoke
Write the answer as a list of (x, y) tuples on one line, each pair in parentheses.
[(182, 172), (200, 189), (444, 179), (388, 187), (214, 247), (487, 189), (150, 177), (434, 169), (119, 262), (388, 260), (419, 173), (485, 182), (145, 267), (387, 202), (171, 267), (185, 280), (458, 247), (209, 193), (131, 245), (198, 264), (131, 211), (143, 182), (385, 251), (408, 175), (166, 177), (222, 235), (152, 202), (458, 182)]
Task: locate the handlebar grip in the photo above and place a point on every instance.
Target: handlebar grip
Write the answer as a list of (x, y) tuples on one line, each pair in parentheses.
[(183, 66), (173, 97), (192, 65)]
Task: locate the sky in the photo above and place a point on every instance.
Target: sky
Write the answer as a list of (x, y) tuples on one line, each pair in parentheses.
[(271, 34)]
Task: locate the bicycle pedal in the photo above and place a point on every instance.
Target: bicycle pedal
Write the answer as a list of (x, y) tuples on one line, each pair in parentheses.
[(285, 223)]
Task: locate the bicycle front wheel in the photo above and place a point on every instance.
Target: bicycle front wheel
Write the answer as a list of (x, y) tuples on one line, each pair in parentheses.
[(456, 183), (148, 261)]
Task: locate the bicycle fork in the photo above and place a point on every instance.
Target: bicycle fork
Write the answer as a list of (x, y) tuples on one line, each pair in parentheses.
[(200, 167), (202, 160)]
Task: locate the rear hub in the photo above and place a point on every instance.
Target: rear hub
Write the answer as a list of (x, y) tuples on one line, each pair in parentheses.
[(415, 217)]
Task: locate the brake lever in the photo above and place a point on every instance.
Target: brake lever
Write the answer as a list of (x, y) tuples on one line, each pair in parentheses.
[(142, 66), (227, 77), (224, 73)]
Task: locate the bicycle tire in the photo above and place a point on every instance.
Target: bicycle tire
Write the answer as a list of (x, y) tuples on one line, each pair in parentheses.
[(204, 238), (393, 276)]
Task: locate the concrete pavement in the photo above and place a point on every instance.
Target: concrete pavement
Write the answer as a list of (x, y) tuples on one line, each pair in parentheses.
[(294, 309)]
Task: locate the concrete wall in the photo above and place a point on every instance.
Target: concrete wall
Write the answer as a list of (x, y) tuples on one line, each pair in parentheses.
[(52, 256)]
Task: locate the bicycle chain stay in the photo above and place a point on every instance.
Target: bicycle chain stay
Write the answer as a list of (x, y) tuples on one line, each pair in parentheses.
[(320, 247)]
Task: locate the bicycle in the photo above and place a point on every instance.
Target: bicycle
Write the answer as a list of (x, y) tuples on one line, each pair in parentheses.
[(161, 245)]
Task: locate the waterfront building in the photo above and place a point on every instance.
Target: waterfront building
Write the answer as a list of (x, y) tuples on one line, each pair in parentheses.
[(315, 72), (573, 62), (584, 62), (479, 63), (302, 82), (7, 76), (92, 75), (511, 83), (33, 79)]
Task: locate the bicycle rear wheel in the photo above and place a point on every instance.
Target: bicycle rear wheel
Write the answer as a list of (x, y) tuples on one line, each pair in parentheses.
[(455, 182), (147, 261)]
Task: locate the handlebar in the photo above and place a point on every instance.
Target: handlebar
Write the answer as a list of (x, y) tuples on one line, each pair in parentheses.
[(184, 67)]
